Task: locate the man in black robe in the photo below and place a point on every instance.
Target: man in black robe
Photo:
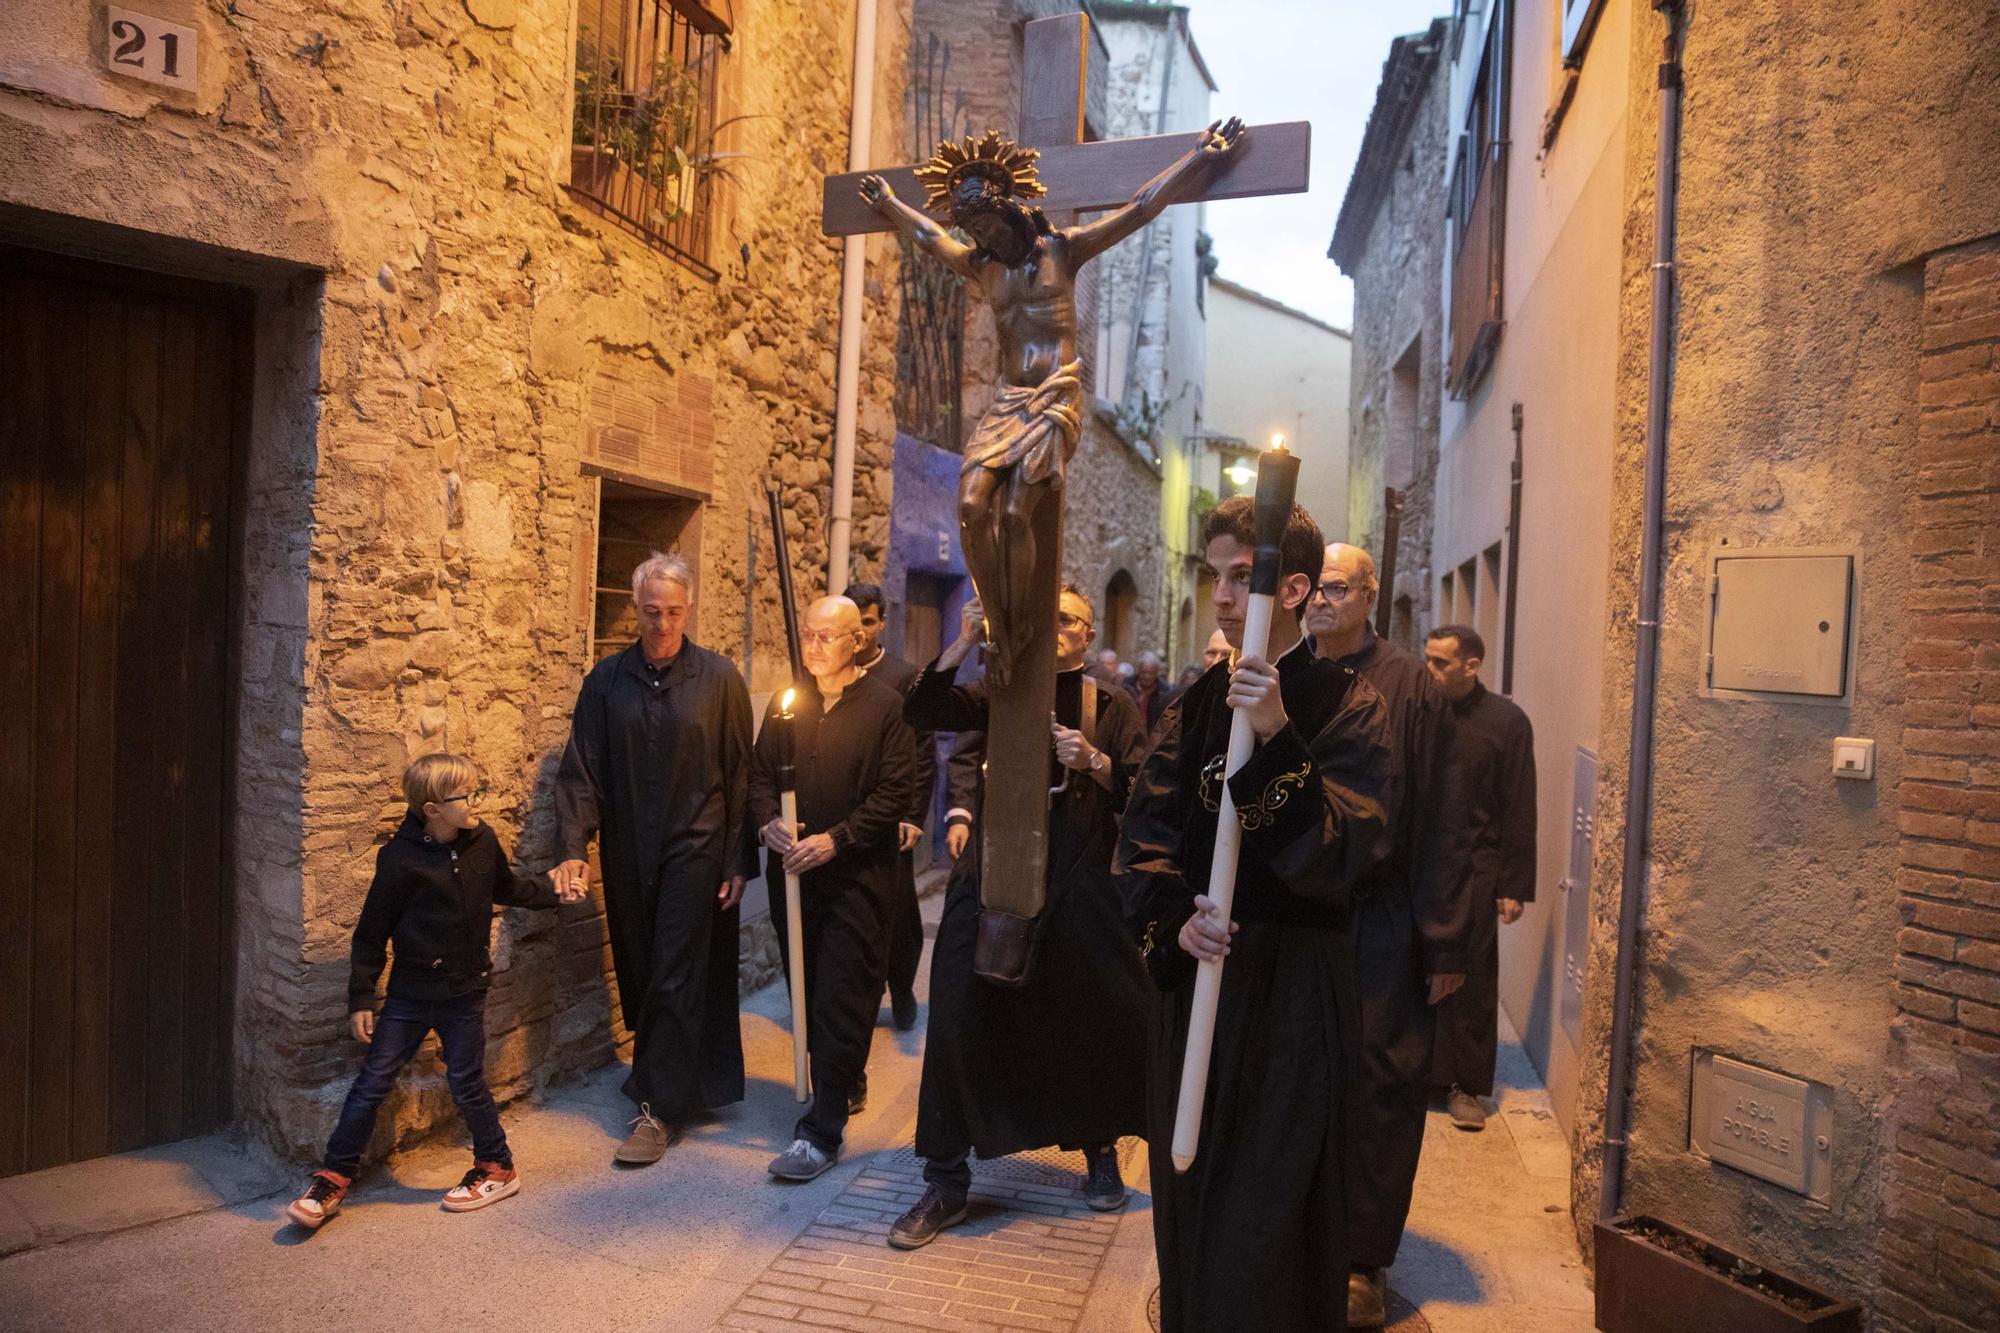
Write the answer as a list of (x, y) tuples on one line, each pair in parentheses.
[(658, 766), (1412, 923), (906, 939), (964, 757), (1253, 1235), (1493, 751), (1059, 1060), (854, 766)]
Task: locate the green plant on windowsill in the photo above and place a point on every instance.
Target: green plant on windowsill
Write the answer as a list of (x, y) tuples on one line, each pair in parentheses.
[(654, 133)]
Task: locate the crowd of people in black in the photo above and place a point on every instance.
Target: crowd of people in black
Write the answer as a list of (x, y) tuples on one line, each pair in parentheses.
[(1387, 817)]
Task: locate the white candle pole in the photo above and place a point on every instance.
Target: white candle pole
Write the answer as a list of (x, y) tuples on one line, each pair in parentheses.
[(795, 943), (1277, 482)]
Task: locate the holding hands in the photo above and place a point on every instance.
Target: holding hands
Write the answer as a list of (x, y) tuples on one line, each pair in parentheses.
[(572, 880)]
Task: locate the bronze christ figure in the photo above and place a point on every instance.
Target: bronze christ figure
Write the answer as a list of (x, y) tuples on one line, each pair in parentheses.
[(1026, 267)]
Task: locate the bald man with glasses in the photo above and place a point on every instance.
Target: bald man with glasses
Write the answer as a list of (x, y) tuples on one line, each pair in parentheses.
[(1411, 925)]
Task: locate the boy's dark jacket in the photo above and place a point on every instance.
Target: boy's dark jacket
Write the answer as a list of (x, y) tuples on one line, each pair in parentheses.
[(435, 900)]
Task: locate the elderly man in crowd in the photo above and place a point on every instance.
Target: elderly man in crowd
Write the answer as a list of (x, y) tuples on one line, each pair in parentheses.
[(657, 768), (906, 946), (1411, 923), (854, 764)]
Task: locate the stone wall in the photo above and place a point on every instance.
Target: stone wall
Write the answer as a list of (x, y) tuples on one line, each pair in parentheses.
[(1398, 277), (1939, 1241), (1817, 178), (419, 534)]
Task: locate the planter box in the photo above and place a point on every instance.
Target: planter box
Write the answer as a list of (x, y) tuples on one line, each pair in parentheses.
[(1643, 1287)]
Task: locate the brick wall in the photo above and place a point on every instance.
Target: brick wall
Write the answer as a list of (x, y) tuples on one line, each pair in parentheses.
[(1940, 1240)]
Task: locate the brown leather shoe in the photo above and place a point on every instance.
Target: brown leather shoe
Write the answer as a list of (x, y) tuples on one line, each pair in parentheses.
[(1466, 1110), (1367, 1299), (649, 1140)]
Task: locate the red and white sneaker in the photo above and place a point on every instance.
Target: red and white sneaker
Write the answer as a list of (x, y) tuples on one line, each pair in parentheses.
[(486, 1182), (321, 1199)]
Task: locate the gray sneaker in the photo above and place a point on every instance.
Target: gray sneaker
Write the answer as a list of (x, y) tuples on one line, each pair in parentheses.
[(648, 1142), (1467, 1111), (802, 1161)]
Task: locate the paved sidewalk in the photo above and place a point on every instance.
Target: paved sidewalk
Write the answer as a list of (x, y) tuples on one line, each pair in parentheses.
[(189, 1237), (1489, 1247)]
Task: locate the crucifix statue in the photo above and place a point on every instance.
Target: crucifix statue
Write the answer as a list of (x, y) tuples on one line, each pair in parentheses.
[(1011, 480)]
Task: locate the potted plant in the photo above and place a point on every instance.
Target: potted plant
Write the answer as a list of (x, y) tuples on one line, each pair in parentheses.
[(643, 148), (1653, 1277)]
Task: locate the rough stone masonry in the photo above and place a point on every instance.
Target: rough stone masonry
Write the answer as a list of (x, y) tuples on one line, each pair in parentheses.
[(416, 532)]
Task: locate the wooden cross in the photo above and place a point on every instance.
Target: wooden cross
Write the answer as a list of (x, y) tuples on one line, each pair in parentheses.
[(1079, 177)]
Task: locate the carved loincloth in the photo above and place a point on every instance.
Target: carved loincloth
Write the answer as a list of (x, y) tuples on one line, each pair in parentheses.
[(1035, 429)]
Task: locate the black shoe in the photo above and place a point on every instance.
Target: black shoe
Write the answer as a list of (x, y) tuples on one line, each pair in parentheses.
[(903, 1006), (857, 1101), (938, 1209), (1367, 1298), (1102, 1187)]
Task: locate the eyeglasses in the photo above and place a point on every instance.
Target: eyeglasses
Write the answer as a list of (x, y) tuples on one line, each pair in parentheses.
[(467, 797), (826, 640), (1070, 622), (1333, 590)]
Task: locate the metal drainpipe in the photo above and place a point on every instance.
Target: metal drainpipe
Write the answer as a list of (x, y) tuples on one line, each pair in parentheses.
[(1645, 668), (853, 265)]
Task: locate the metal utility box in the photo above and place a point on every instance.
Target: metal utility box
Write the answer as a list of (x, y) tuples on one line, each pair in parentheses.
[(1771, 1125), (1781, 625)]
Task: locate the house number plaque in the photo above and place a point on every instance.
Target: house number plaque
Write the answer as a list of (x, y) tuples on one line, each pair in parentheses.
[(140, 46)]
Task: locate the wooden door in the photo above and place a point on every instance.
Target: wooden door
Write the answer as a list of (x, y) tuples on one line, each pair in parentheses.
[(121, 411)]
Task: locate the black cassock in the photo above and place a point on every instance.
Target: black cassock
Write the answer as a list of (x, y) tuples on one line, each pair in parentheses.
[(1060, 1060), (1253, 1236), (906, 934), (854, 768), (658, 764), (1493, 749), (1412, 918)]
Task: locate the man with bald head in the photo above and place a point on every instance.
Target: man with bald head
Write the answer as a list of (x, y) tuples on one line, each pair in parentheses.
[(1218, 649), (1411, 925), (854, 765)]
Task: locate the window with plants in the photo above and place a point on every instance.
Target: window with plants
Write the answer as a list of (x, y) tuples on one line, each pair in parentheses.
[(643, 141)]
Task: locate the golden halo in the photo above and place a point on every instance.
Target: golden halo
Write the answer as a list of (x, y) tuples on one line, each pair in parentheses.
[(1009, 166)]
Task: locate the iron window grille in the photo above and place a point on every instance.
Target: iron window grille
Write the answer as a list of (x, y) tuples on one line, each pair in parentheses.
[(643, 148)]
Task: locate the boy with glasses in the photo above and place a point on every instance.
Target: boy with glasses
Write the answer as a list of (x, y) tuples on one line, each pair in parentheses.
[(436, 882)]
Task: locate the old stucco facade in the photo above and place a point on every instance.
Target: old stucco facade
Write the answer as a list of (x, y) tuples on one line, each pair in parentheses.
[(1831, 386), (416, 531), (1821, 181), (1388, 242)]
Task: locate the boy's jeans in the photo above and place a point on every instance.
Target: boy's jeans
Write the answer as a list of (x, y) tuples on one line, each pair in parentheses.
[(399, 1030)]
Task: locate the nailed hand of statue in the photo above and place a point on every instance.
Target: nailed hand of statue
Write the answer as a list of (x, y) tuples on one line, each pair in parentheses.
[(875, 190), (1220, 139)]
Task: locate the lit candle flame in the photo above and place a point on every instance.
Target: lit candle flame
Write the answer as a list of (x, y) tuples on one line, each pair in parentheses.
[(1277, 444), (785, 702)]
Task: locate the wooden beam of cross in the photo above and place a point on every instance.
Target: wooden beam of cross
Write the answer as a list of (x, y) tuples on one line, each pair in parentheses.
[(1079, 177)]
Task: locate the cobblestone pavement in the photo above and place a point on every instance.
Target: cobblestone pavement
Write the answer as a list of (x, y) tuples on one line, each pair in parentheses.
[(1026, 1256), (193, 1236)]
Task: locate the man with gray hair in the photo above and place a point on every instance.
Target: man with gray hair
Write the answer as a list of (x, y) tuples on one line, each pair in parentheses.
[(657, 767)]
